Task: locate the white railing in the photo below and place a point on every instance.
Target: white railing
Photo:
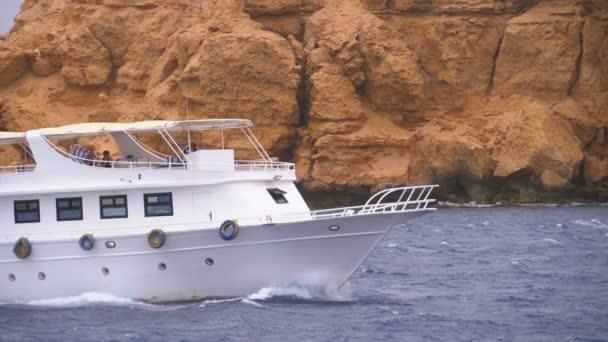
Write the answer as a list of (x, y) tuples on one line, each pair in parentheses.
[(412, 198), (176, 164), (255, 165), (17, 168)]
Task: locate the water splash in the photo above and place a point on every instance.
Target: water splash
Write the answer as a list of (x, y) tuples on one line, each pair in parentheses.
[(303, 292)]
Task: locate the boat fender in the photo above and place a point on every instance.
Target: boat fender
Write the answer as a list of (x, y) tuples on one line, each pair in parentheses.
[(86, 242), (229, 230), (22, 248), (156, 238)]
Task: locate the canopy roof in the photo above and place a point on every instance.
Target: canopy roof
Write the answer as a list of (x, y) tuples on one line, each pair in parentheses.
[(7, 138), (96, 128)]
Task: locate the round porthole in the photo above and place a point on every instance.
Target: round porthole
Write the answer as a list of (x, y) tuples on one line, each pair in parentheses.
[(12, 277), (162, 266), (41, 275), (209, 262), (110, 244), (105, 271), (334, 228)]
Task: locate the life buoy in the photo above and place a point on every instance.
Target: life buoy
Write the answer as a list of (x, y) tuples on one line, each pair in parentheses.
[(86, 242), (229, 230), (156, 238), (22, 248)]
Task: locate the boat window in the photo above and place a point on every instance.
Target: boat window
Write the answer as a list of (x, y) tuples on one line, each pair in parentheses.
[(278, 195), (113, 206), (159, 204), (69, 209), (27, 211)]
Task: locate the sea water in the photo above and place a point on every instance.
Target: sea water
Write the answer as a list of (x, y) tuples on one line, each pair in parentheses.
[(460, 274)]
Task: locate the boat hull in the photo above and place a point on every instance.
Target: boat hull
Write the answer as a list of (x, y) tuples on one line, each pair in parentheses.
[(271, 255)]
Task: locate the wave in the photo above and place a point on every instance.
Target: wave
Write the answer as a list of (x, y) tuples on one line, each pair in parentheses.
[(553, 241), (473, 204), (595, 223)]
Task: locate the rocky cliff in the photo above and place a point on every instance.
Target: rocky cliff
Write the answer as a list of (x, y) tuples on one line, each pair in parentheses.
[(496, 100)]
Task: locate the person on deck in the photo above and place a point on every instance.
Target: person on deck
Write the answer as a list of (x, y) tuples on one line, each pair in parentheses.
[(191, 148), (106, 160)]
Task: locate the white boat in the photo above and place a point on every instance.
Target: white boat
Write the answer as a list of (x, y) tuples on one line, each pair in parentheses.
[(173, 226)]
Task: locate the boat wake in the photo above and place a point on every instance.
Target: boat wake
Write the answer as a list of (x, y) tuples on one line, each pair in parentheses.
[(85, 299), (304, 293)]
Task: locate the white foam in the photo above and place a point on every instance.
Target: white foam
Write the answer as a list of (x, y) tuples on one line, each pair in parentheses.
[(443, 243), (471, 204), (220, 301), (595, 223), (553, 241), (533, 205), (251, 302), (289, 292), (303, 291), (391, 245), (86, 299)]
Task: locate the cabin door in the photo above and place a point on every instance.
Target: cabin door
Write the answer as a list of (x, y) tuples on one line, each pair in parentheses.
[(203, 206)]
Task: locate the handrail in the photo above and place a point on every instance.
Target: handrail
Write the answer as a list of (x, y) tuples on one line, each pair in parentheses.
[(240, 165), (423, 192), (18, 168)]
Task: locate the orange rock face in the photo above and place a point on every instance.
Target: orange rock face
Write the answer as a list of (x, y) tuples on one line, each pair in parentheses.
[(495, 100)]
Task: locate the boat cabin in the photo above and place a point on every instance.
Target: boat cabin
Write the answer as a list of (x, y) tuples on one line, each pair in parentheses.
[(167, 173)]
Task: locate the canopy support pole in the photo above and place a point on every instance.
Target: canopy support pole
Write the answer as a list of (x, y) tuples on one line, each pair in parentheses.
[(177, 154), (188, 126), (267, 157)]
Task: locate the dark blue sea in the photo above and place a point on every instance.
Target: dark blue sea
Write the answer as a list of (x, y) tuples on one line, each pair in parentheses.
[(461, 274)]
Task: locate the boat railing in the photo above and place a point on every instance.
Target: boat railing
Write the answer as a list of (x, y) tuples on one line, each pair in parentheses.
[(257, 165), (17, 168), (392, 200), (174, 163)]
